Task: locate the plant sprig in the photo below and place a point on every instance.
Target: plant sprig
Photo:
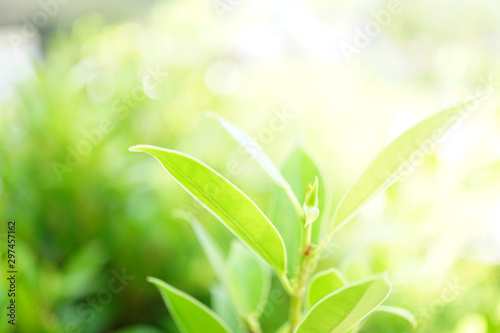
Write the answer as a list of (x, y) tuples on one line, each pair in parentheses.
[(325, 303)]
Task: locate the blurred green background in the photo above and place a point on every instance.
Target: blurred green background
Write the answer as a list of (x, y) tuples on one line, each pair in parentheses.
[(343, 78)]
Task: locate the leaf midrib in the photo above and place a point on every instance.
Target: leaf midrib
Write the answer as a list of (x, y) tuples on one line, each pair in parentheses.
[(384, 184), (264, 253)]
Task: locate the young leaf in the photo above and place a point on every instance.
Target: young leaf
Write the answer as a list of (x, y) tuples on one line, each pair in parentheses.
[(260, 156), (223, 307), (299, 170), (400, 312), (393, 161), (210, 247), (323, 284), (189, 314), (312, 194), (344, 308), (226, 202), (253, 149), (387, 321), (312, 214), (248, 281), (311, 203), (326, 282)]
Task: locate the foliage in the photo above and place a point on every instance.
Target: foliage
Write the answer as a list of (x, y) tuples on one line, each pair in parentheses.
[(433, 232), (334, 305)]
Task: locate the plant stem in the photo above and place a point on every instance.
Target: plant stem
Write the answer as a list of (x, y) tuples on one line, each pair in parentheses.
[(252, 324), (297, 299), (306, 240), (295, 202), (317, 251), (296, 311), (286, 284)]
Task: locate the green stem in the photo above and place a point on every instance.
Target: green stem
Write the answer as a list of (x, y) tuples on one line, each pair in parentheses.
[(286, 284), (317, 251), (296, 303), (295, 202), (306, 240), (252, 325), (297, 299)]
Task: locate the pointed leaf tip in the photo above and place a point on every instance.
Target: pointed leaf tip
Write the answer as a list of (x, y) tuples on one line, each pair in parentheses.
[(253, 148), (400, 312), (394, 160), (139, 148), (184, 307), (311, 199), (153, 280), (323, 284)]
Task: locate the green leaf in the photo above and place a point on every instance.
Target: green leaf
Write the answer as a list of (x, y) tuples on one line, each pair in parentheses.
[(190, 315), (393, 161), (223, 307), (387, 322), (260, 156), (400, 312), (311, 199), (323, 284), (344, 308), (311, 203), (209, 245), (248, 281), (253, 148), (312, 214), (226, 202)]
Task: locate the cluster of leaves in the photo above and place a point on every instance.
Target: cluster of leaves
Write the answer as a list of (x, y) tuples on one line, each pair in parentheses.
[(325, 303)]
